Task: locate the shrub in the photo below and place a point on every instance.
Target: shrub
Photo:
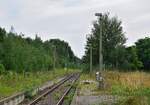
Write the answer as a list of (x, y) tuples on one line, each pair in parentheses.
[(2, 69)]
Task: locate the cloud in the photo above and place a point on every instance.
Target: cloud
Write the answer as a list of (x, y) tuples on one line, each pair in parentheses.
[(71, 20)]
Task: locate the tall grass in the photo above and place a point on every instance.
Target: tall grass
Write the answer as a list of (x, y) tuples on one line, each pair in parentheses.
[(12, 82), (131, 88), (129, 83)]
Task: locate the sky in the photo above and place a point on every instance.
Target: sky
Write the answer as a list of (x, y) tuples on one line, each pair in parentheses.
[(71, 20)]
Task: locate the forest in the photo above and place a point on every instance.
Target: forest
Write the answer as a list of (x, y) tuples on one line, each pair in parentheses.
[(21, 54)]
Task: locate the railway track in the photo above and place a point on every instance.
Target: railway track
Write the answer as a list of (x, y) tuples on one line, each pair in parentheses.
[(56, 94)]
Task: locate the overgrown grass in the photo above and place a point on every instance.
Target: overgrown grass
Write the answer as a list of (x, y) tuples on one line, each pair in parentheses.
[(133, 100), (130, 87), (129, 83), (134, 87), (88, 89), (11, 82)]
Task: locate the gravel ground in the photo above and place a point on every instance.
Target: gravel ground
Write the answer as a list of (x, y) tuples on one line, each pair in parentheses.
[(46, 87), (89, 97), (53, 97), (94, 100)]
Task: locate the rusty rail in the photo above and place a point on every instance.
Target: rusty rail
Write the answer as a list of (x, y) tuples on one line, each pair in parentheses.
[(14, 99), (52, 89), (66, 93)]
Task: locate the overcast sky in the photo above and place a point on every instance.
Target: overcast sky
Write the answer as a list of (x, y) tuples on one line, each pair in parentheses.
[(71, 20)]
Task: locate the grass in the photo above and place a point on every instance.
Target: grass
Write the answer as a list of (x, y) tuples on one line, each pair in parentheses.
[(134, 87), (134, 100), (12, 83), (130, 101), (88, 89), (131, 87), (129, 83)]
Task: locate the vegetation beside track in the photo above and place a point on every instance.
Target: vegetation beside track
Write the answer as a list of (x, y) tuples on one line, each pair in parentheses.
[(131, 88), (12, 82)]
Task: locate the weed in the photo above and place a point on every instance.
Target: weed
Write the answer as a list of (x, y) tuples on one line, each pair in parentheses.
[(12, 82)]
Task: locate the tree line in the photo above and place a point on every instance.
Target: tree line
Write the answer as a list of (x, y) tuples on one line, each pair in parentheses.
[(25, 54), (116, 55)]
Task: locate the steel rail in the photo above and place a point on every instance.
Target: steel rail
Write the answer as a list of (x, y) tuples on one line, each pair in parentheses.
[(66, 92), (51, 90)]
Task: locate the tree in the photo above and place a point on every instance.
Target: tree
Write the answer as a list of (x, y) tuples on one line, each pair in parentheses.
[(143, 51), (133, 61), (113, 38), (2, 37), (2, 34), (2, 69), (64, 54), (25, 54)]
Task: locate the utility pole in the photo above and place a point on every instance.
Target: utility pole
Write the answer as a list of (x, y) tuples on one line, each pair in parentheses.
[(100, 42), (90, 59), (99, 74), (67, 59), (54, 57)]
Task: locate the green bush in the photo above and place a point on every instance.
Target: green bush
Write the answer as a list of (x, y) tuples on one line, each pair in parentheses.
[(2, 69), (133, 101)]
